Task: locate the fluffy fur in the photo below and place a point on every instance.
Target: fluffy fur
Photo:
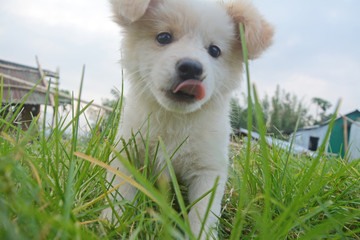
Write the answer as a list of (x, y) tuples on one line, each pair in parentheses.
[(151, 72)]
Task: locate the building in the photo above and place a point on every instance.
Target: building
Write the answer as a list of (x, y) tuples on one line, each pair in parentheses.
[(271, 141), (344, 137), (17, 82)]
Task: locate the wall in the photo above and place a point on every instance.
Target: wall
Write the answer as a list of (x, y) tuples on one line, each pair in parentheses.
[(354, 142), (303, 136), (337, 134)]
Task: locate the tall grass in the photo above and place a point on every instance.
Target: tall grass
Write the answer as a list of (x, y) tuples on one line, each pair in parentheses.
[(52, 186)]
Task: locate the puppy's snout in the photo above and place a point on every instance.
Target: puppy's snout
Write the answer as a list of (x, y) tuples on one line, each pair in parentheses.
[(189, 69)]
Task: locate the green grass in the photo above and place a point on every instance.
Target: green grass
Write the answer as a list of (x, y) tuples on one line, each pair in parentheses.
[(52, 187)]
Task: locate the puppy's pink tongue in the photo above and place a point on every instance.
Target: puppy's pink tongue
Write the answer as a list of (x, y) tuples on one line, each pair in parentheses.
[(191, 87)]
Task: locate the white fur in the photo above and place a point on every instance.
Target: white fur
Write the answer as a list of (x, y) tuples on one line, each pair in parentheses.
[(150, 70)]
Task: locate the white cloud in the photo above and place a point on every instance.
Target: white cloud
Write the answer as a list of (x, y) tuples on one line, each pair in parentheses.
[(82, 15), (308, 85)]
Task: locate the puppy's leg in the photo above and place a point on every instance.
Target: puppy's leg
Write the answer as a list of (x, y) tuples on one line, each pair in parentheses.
[(124, 192), (198, 186)]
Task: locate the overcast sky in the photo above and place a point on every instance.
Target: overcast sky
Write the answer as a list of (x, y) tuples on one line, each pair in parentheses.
[(316, 51)]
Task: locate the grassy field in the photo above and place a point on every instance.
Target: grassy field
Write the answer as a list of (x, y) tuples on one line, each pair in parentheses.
[(52, 187)]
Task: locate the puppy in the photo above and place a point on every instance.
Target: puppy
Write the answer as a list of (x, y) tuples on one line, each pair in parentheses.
[(183, 59)]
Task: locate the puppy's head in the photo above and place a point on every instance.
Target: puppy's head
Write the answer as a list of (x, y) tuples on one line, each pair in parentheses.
[(186, 53)]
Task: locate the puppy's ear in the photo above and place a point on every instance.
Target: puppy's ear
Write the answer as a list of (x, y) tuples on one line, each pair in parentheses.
[(128, 11), (258, 32)]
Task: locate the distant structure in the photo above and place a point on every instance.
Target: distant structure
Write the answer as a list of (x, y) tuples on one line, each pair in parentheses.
[(296, 149), (18, 81), (344, 139)]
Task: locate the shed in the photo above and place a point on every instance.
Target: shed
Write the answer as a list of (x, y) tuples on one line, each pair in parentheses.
[(354, 140), (18, 80), (296, 149), (343, 135)]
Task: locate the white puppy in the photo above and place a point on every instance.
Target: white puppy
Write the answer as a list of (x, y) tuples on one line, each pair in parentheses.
[(183, 59)]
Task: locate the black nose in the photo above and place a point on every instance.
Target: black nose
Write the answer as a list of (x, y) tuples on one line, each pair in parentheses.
[(189, 69)]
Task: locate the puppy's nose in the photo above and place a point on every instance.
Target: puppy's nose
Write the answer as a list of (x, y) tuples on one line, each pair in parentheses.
[(189, 69)]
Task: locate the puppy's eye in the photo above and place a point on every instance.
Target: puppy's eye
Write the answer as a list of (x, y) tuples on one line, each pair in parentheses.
[(214, 51), (164, 38)]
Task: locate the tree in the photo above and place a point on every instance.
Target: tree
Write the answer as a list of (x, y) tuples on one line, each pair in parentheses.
[(286, 109), (239, 115), (116, 95), (281, 113), (235, 114), (324, 105)]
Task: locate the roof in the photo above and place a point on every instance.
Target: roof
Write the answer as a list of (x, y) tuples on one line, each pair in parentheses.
[(327, 122), (19, 79), (296, 149)]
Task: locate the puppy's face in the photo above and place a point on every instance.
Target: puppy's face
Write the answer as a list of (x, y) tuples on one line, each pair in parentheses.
[(183, 53)]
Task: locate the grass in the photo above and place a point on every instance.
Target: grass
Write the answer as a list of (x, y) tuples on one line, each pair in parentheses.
[(52, 187)]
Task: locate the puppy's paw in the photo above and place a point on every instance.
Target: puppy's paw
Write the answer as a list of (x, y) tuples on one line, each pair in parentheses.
[(108, 215)]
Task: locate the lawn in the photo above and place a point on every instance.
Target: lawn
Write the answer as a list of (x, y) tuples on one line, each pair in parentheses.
[(52, 187)]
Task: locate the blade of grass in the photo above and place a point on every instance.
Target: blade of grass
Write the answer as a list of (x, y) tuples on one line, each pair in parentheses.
[(69, 191), (207, 212), (239, 218), (175, 183), (102, 196), (289, 152), (44, 145), (266, 218), (320, 230), (1, 89)]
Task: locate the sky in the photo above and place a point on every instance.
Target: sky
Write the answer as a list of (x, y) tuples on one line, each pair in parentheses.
[(316, 50)]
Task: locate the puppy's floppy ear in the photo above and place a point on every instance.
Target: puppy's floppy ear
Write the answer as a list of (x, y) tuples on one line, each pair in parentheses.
[(128, 11), (258, 32)]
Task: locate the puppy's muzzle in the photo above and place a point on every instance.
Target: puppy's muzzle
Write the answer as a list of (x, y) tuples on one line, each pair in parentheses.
[(189, 85), (189, 69)]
